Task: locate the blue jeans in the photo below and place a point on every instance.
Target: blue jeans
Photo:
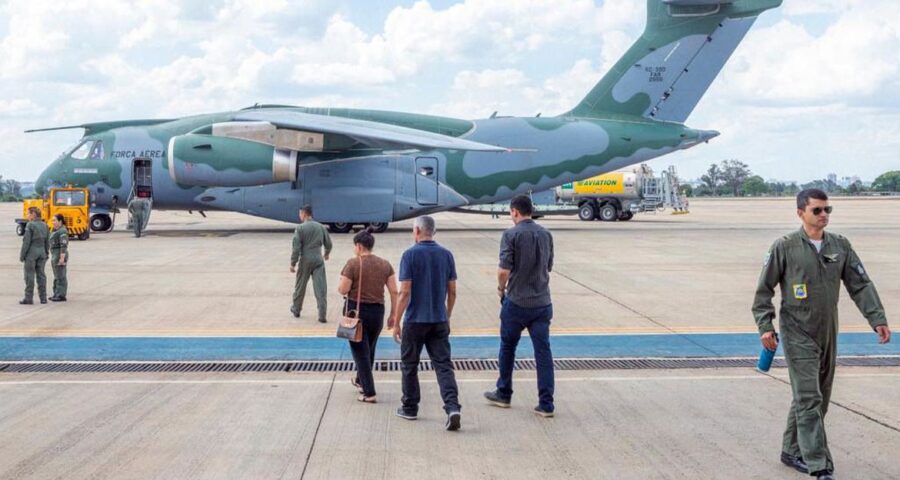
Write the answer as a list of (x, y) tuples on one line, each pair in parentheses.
[(514, 319)]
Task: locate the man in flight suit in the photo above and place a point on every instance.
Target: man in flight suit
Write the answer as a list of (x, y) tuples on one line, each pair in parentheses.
[(138, 208), (309, 238), (809, 265), (35, 246), (59, 258)]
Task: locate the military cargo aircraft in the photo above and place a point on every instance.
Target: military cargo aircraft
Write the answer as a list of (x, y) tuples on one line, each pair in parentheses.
[(374, 167)]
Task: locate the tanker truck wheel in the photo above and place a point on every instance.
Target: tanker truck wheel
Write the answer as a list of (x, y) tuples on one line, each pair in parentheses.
[(20, 229), (586, 212), (626, 216), (609, 213), (340, 227)]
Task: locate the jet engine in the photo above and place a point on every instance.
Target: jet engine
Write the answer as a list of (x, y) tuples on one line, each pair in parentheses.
[(197, 159)]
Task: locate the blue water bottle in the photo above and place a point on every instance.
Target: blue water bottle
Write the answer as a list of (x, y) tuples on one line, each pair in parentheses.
[(765, 358)]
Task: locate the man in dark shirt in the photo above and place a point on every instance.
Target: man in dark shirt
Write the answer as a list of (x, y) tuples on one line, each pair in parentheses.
[(526, 259), (427, 280)]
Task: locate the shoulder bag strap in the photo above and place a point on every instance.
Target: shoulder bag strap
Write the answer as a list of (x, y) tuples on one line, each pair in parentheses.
[(359, 289)]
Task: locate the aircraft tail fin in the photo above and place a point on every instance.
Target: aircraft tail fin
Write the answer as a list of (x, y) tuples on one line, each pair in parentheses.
[(668, 69)]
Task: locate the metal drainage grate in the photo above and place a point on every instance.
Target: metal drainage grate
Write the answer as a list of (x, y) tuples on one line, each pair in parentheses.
[(467, 365)]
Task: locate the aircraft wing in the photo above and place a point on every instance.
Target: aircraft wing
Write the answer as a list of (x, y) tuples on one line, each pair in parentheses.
[(376, 134), (92, 128)]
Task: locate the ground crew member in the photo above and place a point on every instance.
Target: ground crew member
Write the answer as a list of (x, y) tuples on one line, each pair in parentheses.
[(59, 257), (309, 238), (35, 246), (810, 265), (138, 207)]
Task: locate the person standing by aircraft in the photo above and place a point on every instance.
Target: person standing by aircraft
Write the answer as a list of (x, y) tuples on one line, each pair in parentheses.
[(427, 280), (526, 259), (35, 247), (809, 265), (138, 208), (366, 276), (59, 258), (307, 261)]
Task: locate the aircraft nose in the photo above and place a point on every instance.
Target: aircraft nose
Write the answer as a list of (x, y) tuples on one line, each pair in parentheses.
[(41, 183)]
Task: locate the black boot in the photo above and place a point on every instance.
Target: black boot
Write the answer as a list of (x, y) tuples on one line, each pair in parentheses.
[(26, 301), (796, 463)]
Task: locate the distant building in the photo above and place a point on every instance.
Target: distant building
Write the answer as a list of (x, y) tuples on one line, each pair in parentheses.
[(847, 181), (832, 178)]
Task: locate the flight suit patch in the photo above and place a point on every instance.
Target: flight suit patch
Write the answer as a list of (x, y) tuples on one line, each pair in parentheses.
[(831, 258), (860, 269), (800, 292), (766, 261)]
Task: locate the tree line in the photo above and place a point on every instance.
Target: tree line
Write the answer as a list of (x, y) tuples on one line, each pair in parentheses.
[(734, 178), (10, 190)]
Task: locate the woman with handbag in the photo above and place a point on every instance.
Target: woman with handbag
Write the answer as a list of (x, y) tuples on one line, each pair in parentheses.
[(363, 281)]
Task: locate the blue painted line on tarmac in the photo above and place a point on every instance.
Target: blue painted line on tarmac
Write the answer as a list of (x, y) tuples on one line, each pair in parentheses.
[(318, 348)]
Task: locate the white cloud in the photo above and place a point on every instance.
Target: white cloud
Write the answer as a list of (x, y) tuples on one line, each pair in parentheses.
[(854, 58), (826, 71)]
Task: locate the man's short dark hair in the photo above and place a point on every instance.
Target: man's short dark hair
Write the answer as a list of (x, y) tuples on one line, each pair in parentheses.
[(804, 196), (522, 204), (307, 210), (61, 218), (35, 210)]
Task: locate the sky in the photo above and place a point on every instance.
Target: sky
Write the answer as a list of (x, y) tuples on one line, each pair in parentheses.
[(813, 89)]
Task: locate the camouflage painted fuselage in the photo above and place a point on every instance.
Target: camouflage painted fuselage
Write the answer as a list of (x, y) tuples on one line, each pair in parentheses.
[(367, 185)]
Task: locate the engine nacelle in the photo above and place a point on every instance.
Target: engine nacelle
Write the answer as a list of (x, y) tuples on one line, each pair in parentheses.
[(214, 161)]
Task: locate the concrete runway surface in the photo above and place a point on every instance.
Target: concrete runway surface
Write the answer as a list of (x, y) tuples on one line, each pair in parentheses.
[(226, 277)]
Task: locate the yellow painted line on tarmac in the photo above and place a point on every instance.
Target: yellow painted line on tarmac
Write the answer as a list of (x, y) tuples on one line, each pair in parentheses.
[(329, 331)]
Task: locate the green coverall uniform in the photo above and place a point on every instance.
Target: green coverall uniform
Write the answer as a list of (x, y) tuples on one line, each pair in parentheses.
[(138, 209), (35, 246), (59, 247), (309, 238), (810, 286)]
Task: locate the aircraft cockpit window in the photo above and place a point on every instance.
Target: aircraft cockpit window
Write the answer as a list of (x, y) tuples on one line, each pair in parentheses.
[(97, 151), (69, 198), (81, 151)]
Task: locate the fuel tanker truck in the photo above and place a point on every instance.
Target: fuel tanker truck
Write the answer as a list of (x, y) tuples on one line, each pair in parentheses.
[(619, 195)]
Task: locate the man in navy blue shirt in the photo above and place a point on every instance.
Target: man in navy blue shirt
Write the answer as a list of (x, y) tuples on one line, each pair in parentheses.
[(523, 276), (427, 281)]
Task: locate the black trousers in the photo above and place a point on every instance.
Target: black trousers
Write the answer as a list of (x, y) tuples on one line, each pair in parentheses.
[(435, 337), (371, 315)]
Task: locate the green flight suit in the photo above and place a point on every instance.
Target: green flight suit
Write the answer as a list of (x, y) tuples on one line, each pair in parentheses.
[(35, 246), (59, 247), (138, 208), (810, 285), (309, 239)]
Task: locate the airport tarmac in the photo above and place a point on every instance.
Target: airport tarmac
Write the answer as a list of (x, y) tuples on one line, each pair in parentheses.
[(695, 424), (227, 275), (680, 284)]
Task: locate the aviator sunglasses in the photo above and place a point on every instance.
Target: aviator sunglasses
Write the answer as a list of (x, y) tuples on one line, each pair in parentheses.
[(818, 210)]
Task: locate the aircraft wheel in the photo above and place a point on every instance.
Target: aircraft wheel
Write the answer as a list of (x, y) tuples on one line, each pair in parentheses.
[(609, 213), (20, 229), (586, 212), (626, 216), (379, 227), (340, 227), (101, 222), (86, 234)]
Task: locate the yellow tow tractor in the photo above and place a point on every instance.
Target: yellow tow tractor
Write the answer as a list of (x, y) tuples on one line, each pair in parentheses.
[(73, 203)]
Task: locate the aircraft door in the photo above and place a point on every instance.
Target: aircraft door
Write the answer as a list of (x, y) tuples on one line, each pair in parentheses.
[(142, 176), (427, 180)]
